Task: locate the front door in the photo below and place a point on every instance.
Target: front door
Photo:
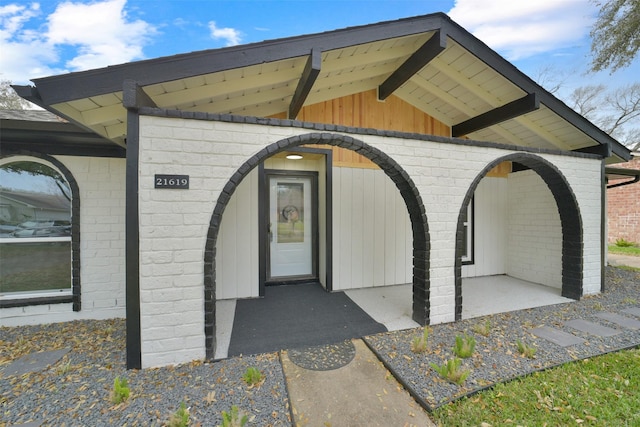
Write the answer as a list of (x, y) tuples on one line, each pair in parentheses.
[(291, 226)]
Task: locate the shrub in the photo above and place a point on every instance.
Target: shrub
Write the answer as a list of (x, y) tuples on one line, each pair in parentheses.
[(465, 345), (624, 243), (120, 391), (526, 350), (419, 343), (451, 371), (233, 418), (252, 376), (482, 328), (180, 418)]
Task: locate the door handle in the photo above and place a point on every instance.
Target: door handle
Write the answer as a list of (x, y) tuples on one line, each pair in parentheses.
[(270, 233)]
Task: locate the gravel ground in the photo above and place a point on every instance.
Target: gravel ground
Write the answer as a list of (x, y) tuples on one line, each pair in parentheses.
[(76, 390), (496, 357)]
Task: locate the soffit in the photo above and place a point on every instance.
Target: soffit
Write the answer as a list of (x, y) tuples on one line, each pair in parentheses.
[(463, 81)]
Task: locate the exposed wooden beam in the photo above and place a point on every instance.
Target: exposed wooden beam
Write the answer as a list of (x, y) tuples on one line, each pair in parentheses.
[(134, 97), (516, 108), (429, 50), (603, 150), (309, 76)]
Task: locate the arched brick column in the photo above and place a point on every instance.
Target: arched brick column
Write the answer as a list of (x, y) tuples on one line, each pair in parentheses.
[(393, 170), (570, 220), (75, 217)]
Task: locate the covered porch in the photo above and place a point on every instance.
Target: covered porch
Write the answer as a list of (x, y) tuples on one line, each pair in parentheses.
[(390, 306)]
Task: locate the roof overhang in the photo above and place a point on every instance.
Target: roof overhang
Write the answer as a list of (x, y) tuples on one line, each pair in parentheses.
[(33, 131), (428, 61)]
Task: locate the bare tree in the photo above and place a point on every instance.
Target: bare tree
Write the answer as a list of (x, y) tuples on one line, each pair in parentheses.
[(615, 36), (616, 112), (9, 99)]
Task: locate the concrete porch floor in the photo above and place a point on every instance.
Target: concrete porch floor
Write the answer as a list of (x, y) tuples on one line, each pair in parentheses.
[(391, 305)]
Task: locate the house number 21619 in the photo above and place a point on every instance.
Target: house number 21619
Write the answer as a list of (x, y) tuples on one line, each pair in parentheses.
[(171, 181)]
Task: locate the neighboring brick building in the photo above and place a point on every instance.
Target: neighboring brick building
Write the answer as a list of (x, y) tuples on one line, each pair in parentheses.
[(623, 206)]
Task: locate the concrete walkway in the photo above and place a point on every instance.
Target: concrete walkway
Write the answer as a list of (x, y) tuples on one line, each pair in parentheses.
[(361, 393), (625, 260)]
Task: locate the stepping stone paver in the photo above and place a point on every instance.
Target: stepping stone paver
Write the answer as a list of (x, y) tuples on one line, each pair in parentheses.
[(556, 336), (625, 322), (34, 362), (634, 311), (592, 328)]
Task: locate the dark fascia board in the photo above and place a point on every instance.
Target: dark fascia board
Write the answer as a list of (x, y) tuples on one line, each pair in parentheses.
[(60, 138), (84, 84), (510, 72), (516, 108)]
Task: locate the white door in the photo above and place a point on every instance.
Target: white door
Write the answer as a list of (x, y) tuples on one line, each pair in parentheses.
[(291, 227)]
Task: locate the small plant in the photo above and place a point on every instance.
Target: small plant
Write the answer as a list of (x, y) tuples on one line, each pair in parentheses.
[(451, 371), (482, 328), (622, 243), (419, 343), (120, 391), (629, 300), (465, 345), (233, 418), (64, 368), (597, 306), (252, 376), (526, 350), (180, 418)]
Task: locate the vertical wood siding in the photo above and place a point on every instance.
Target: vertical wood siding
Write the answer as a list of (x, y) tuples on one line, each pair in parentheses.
[(372, 232), (490, 228)]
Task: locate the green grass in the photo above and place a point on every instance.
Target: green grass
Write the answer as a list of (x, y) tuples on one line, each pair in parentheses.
[(599, 391), (625, 250)]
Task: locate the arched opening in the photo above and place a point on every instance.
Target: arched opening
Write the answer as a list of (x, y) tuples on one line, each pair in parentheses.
[(40, 217), (571, 265), (391, 168)]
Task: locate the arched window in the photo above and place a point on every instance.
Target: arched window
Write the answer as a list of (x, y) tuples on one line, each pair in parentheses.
[(35, 233)]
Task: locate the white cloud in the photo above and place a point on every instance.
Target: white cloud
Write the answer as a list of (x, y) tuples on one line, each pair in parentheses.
[(519, 29), (101, 32), (231, 35), (95, 34)]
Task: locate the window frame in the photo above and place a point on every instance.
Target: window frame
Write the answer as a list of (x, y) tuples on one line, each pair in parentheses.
[(469, 225), (73, 293)]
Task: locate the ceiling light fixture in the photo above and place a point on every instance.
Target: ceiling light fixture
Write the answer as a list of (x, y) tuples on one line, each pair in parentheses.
[(294, 156)]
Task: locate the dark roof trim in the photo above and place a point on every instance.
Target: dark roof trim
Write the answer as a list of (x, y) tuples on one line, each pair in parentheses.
[(618, 173), (49, 137), (67, 87), (421, 57), (309, 76), (526, 104)]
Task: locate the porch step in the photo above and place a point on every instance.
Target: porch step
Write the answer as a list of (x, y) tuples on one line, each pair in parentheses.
[(556, 336), (592, 328)]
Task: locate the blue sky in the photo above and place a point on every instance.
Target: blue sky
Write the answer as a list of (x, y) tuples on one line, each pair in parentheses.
[(51, 37)]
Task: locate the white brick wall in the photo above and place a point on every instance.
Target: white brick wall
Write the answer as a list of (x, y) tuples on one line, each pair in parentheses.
[(534, 231), (176, 222), (101, 183)]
